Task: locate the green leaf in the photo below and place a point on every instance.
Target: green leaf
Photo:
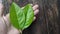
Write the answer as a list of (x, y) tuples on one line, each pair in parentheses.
[(21, 18), (17, 16), (29, 15)]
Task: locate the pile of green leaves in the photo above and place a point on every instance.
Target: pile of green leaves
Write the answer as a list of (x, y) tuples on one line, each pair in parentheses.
[(21, 18)]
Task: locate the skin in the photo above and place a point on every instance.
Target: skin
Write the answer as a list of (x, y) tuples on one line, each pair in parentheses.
[(6, 27)]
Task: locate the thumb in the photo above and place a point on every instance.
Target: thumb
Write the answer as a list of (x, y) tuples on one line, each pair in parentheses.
[(7, 21)]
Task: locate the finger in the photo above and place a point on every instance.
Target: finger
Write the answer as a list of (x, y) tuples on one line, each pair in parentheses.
[(36, 11), (35, 7)]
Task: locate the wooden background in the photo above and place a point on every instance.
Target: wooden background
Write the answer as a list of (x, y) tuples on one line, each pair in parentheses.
[(48, 18)]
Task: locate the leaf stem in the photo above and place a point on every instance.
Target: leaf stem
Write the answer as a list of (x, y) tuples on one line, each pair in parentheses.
[(20, 31)]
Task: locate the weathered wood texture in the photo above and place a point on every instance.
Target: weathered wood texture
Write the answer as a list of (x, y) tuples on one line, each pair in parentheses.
[(47, 21)]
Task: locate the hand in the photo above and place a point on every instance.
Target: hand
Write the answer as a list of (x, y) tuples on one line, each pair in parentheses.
[(6, 27)]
